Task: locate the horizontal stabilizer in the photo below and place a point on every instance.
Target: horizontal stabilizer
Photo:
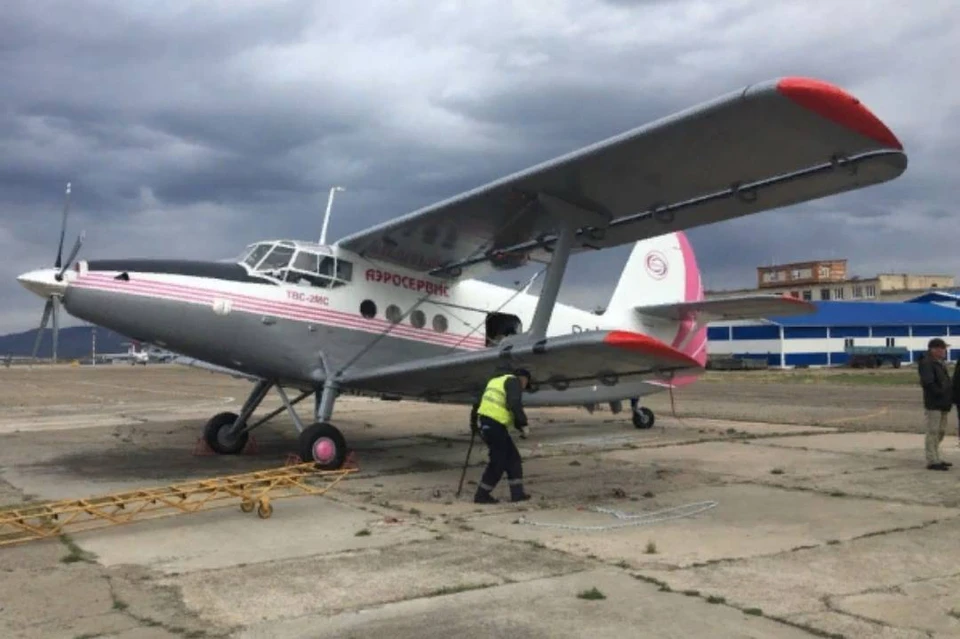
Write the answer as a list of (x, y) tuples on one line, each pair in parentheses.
[(732, 308), (568, 361)]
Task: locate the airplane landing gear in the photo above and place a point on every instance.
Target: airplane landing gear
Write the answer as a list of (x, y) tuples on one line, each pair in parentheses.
[(218, 432), (228, 433), (643, 417), (323, 444)]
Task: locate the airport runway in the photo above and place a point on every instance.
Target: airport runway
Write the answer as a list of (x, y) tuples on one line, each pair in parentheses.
[(772, 510)]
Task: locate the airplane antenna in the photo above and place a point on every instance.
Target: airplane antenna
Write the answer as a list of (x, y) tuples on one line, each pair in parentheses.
[(326, 216)]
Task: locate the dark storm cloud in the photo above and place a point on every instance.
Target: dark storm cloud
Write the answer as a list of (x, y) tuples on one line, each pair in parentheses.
[(191, 130)]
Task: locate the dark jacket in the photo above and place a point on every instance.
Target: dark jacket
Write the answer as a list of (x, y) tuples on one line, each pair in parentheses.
[(938, 391), (514, 404), (956, 383)]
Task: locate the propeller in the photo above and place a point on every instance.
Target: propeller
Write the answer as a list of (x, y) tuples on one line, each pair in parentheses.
[(52, 307)]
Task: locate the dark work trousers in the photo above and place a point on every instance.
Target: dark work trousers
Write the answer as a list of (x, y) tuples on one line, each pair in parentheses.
[(504, 456)]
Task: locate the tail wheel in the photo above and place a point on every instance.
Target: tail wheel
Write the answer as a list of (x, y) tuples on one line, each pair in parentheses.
[(323, 445), (643, 418), (218, 437)]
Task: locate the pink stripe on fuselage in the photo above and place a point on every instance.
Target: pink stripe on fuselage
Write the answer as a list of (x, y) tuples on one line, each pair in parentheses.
[(248, 303)]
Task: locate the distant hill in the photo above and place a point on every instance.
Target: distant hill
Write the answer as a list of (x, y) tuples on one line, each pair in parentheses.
[(74, 343)]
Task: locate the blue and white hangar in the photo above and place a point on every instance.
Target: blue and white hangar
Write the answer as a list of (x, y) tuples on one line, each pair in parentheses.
[(824, 338)]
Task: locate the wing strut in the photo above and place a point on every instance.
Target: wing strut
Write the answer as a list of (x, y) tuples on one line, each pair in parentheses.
[(571, 219), (552, 281)]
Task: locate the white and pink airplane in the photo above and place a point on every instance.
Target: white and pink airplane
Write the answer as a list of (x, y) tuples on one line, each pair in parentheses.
[(397, 311)]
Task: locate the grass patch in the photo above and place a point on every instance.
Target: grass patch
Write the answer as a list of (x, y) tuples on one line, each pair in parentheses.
[(363, 533), (883, 377), (593, 594), (756, 612), (716, 600), (651, 548), (776, 471)]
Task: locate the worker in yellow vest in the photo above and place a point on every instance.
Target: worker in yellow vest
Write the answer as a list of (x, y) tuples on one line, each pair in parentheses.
[(499, 408)]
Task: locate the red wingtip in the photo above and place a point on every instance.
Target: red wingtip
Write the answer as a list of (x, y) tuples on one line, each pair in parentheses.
[(835, 104), (646, 344)]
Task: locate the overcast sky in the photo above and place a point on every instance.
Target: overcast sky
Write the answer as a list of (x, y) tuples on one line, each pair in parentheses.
[(192, 129)]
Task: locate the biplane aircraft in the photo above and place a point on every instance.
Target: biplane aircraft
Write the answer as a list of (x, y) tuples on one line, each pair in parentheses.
[(398, 311)]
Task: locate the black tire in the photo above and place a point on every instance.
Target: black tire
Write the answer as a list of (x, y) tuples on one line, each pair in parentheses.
[(643, 418), (331, 439), (215, 433)]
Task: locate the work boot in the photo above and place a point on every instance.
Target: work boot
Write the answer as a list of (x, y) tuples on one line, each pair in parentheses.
[(484, 497), (517, 494)]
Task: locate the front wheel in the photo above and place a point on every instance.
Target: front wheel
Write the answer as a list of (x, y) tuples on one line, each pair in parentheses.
[(643, 418), (324, 445), (218, 436)]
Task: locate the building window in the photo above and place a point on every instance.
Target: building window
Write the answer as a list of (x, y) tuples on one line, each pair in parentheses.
[(795, 294), (824, 293), (824, 271), (891, 341), (807, 296), (848, 343), (858, 291), (838, 293), (871, 290)]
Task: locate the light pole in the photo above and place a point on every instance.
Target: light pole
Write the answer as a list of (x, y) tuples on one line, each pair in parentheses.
[(326, 216)]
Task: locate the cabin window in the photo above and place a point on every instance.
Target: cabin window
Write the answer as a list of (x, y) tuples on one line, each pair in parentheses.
[(368, 309), (418, 319), (440, 323), (393, 313)]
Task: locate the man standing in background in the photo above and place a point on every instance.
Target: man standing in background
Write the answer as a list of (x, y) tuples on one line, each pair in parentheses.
[(938, 398)]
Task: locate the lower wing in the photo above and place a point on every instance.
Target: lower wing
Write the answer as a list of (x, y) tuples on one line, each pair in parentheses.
[(565, 362)]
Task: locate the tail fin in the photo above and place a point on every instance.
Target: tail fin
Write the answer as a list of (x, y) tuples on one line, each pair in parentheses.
[(663, 270)]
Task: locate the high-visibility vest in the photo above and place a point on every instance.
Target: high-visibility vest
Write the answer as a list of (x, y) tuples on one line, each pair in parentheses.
[(493, 404)]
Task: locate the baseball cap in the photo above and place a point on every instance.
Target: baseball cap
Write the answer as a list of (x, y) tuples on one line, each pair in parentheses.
[(936, 342)]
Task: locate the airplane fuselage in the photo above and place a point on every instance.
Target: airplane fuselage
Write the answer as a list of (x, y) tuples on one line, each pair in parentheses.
[(301, 333)]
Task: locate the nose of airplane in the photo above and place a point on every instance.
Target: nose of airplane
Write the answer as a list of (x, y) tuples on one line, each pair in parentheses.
[(43, 282)]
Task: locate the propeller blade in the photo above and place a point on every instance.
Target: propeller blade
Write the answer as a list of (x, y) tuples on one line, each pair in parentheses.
[(73, 255), (63, 228), (47, 309), (56, 324)]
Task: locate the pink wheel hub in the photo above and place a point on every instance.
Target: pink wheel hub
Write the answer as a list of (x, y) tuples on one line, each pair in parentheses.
[(324, 450)]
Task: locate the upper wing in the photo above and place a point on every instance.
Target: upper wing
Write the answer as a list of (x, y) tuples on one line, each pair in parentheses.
[(763, 147), (568, 361), (733, 308)]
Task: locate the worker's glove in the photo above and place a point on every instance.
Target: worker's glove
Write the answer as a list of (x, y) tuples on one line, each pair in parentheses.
[(524, 432)]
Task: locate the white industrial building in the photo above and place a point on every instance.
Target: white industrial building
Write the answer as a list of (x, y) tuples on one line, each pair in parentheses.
[(821, 338)]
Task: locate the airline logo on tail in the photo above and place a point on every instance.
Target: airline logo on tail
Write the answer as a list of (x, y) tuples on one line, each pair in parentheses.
[(656, 265)]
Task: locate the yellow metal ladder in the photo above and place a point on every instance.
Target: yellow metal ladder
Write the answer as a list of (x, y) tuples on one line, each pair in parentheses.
[(254, 490)]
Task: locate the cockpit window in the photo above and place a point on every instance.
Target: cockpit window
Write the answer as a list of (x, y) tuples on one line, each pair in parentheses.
[(312, 269), (258, 252), (278, 258), (300, 265)]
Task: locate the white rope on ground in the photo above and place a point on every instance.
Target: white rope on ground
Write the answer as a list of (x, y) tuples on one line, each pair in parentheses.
[(679, 512)]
